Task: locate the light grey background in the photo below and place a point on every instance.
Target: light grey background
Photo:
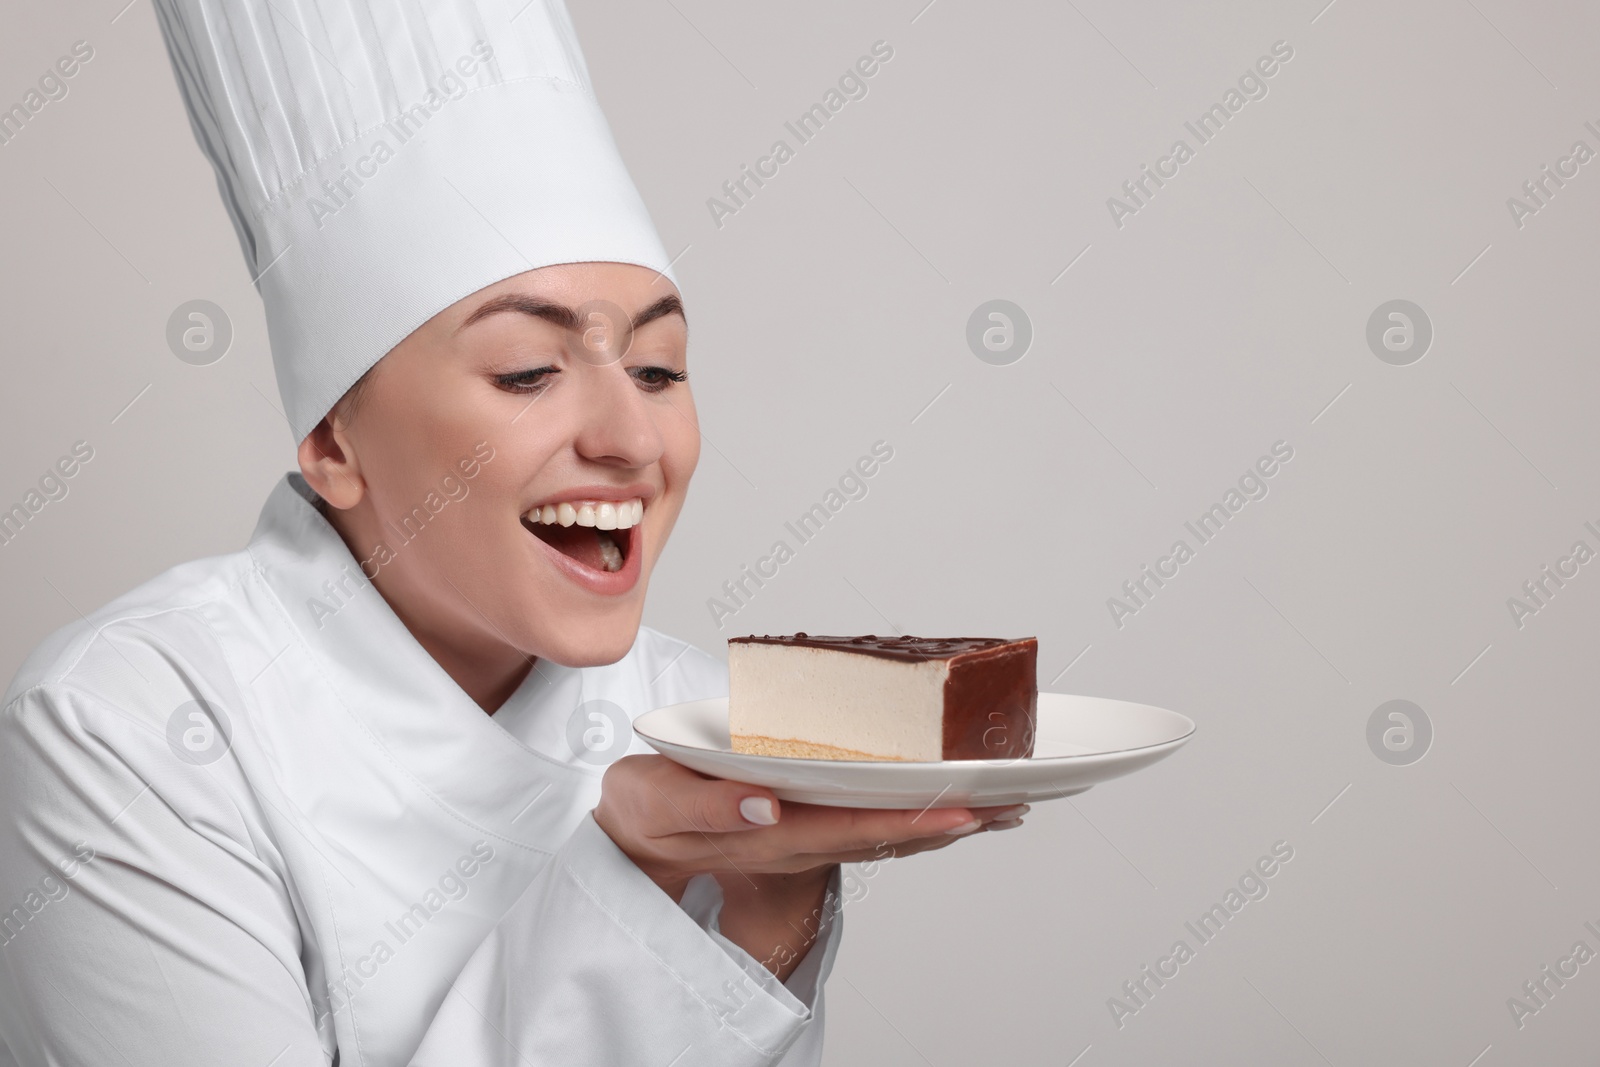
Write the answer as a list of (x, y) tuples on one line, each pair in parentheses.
[(1226, 315)]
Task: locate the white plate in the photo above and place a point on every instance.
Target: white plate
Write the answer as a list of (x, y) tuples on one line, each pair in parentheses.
[(1079, 741)]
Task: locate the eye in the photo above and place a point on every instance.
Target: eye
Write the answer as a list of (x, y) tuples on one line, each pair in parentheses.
[(657, 379), (525, 381)]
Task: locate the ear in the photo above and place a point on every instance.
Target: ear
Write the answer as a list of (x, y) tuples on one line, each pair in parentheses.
[(329, 463)]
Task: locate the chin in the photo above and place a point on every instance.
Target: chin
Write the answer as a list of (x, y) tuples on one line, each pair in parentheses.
[(593, 644)]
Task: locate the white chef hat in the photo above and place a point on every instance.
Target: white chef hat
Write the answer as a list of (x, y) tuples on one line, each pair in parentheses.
[(383, 160)]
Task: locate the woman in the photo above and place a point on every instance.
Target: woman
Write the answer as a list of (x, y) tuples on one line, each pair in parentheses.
[(360, 792)]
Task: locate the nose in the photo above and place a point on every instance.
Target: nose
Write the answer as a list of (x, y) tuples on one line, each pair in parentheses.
[(618, 425)]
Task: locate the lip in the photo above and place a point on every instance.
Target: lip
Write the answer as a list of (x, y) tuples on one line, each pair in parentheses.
[(613, 493), (602, 583)]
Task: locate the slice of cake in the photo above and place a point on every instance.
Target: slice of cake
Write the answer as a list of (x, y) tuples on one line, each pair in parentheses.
[(882, 698)]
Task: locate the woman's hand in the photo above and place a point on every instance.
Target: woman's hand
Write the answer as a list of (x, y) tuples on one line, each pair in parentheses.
[(675, 823)]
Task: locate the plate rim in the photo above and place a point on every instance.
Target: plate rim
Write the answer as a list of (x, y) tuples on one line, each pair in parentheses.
[(1032, 760)]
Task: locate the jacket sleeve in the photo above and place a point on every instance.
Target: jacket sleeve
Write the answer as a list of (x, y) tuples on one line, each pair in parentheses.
[(596, 965), (143, 925), (806, 980), (142, 922)]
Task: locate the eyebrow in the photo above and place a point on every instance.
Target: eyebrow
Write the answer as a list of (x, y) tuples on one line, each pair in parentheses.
[(565, 317)]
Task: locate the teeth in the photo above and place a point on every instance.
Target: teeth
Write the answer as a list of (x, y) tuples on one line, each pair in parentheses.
[(610, 554), (601, 514)]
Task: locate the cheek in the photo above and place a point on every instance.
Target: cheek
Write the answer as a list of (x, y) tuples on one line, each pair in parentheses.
[(424, 428), (680, 434), (680, 439), (500, 487)]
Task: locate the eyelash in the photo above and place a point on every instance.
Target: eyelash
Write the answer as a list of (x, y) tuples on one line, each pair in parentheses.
[(531, 381)]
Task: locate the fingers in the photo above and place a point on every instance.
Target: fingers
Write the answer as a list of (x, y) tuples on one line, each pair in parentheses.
[(989, 819), (812, 828), (1004, 811), (817, 829), (884, 851), (685, 802), (670, 818)]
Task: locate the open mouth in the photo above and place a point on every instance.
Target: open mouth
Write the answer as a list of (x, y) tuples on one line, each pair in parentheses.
[(599, 534)]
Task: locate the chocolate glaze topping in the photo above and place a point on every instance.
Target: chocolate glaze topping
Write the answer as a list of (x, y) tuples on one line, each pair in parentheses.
[(905, 647), (991, 702)]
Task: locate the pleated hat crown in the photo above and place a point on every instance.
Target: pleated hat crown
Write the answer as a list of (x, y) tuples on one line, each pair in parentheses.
[(382, 161)]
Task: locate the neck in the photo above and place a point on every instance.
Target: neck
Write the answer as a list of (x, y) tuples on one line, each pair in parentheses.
[(486, 668), (489, 679)]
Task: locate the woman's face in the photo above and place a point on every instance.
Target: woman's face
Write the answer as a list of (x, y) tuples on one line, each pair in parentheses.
[(523, 456)]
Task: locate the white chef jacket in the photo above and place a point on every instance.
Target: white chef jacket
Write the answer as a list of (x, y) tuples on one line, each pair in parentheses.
[(346, 855)]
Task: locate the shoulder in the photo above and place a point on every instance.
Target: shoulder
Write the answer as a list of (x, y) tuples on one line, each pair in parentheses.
[(119, 713), (154, 645)]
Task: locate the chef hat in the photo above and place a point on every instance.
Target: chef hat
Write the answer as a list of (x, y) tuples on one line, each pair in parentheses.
[(381, 161)]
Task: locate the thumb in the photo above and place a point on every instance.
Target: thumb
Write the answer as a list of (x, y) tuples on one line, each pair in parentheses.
[(717, 806)]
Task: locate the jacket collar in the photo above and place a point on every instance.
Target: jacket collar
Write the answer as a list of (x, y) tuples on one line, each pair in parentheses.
[(362, 656)]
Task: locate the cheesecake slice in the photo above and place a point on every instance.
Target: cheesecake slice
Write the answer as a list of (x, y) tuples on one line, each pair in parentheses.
[(882, 698)]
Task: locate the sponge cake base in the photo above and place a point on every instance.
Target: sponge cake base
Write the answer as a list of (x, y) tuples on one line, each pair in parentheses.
[(793, 748)]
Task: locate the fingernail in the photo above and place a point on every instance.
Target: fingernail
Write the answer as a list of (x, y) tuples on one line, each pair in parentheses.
[(757, 810), (965, 828), (1005, 824), (1012, 812)]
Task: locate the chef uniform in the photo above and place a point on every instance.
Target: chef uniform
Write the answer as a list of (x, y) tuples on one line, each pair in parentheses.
[(245, 818)]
